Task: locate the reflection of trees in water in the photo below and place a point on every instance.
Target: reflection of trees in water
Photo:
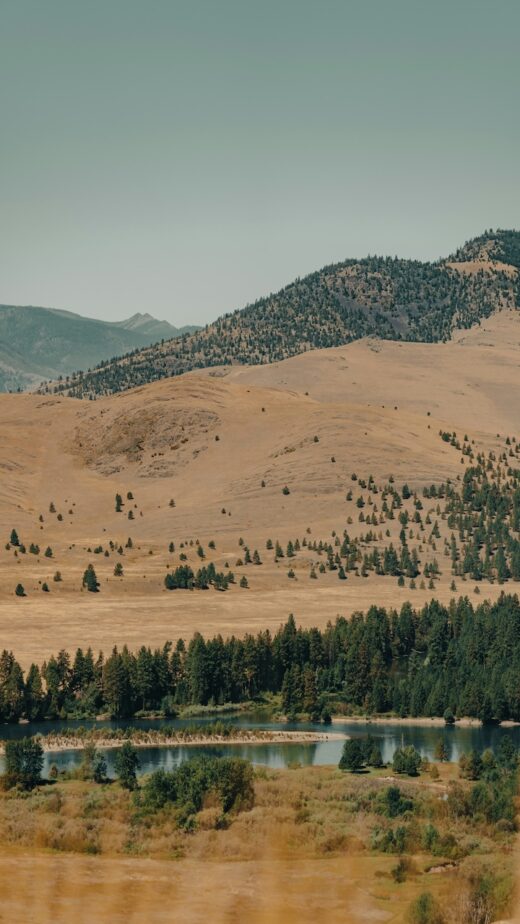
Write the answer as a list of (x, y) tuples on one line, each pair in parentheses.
[(458, 740), (167, 758)]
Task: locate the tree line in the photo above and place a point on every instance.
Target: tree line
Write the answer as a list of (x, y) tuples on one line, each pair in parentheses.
[(438, 660)]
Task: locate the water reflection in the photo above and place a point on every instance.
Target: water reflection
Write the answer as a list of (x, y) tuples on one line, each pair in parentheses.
[(458, 739)]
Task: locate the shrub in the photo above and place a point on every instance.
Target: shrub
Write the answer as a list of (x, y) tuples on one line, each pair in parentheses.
[(400, 872), (230, 779), (392, 803), (425, 910), (407, 760)]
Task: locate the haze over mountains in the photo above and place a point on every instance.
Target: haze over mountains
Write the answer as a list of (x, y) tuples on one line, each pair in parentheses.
[(46, 343), (383, 297)]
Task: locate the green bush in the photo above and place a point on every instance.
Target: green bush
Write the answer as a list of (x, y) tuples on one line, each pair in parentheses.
[(425, 910), (23, 763), (230, 779), (392, 803)]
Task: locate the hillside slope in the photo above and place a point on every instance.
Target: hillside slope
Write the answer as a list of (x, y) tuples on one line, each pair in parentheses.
[(45, 343), (381, 297), (223, 446)]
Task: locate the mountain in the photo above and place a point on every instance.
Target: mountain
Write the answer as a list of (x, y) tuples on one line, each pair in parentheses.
[(384, 297), (148, 326), (46, 343)]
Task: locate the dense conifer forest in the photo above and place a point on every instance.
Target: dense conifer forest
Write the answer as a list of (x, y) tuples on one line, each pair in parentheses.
[(383, 297), (456, 660)]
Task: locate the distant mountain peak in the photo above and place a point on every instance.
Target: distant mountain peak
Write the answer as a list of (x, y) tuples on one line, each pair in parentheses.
[(140, 318), (145, 324), (48, 343)]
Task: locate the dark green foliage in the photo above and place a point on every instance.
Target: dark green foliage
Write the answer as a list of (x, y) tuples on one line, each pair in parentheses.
[(406, 760), (352, 758), (126, 763), (433, 661), (23, 763), (12, 702), (229, 779), (184, 578), (392, 803), (400, 872), (33, 696), (392, 840), (493, 795), (471, 766), (90, 580)]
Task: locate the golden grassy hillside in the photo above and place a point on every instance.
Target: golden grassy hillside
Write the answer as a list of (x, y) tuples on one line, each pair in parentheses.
[(206, 457)]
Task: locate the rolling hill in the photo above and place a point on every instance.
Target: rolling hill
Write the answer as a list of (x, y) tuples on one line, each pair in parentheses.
[(206, 457), (383, 297), (46, 343)]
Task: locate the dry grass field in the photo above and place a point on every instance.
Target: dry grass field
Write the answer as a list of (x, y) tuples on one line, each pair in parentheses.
[(304, 853)]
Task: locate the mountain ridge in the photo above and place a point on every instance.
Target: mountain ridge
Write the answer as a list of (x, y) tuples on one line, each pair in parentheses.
[(384, 297), (39, 343)]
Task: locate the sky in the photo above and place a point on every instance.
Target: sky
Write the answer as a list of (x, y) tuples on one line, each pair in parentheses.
[(186, 158)]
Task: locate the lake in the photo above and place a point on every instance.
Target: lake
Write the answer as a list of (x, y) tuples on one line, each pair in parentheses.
[(458, 739)]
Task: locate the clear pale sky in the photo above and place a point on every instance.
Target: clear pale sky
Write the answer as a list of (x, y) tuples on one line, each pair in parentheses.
[(185, 158)]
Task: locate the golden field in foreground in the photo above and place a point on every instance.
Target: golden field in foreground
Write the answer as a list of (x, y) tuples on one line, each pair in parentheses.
[(311, 849), (206, 457)]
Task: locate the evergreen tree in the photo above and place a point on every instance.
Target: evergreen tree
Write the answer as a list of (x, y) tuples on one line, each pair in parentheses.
[(34, 697), (126, 764), (352, 757), (90, 580), (23, 762)]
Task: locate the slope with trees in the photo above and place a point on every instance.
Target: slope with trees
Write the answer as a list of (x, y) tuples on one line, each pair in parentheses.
[(383, 297)]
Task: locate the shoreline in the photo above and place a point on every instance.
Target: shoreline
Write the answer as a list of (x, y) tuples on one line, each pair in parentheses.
[(435, 722), (57, 743)]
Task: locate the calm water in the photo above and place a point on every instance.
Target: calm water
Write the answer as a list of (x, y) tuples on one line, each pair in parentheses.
[(389, 737)]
